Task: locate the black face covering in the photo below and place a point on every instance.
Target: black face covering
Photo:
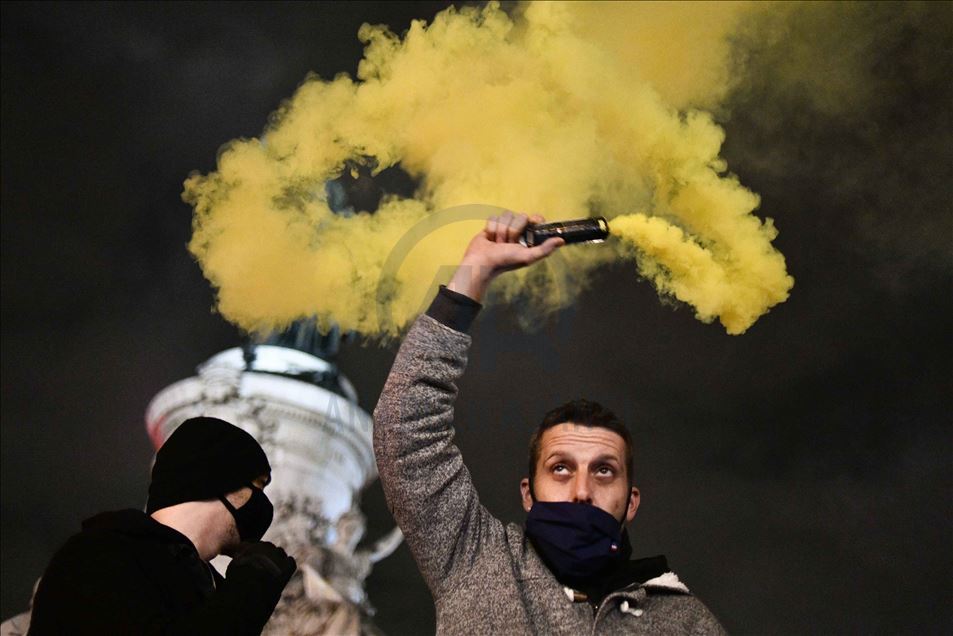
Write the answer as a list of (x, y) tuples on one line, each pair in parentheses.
[(577, 541), (254, 517)]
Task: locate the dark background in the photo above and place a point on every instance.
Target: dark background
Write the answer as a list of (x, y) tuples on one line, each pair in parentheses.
[(798, 477)]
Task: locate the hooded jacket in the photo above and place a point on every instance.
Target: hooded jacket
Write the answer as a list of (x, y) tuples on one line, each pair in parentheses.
[(486, 578), (126, 573)]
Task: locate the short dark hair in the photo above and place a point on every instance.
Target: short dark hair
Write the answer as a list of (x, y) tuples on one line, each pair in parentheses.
[(584, 413)]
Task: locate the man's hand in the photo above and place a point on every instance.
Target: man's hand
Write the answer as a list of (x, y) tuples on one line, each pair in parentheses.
[(496, 249), (263, 557)]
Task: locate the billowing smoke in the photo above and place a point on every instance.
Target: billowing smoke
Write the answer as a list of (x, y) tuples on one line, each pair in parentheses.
[(563, 109)]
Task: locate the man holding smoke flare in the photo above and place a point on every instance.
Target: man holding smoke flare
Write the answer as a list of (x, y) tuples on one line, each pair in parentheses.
[(567, 569)]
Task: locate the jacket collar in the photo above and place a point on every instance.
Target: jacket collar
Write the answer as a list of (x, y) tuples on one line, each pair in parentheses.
[(666, 582)]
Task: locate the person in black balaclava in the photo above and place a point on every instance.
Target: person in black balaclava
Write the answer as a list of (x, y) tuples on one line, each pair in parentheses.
[(567, 569), (134, 572)]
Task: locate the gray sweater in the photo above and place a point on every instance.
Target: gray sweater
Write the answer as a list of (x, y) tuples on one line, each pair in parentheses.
[(485, 577)]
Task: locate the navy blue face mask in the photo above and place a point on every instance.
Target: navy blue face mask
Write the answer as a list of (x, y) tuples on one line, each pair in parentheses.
[(577, 541)]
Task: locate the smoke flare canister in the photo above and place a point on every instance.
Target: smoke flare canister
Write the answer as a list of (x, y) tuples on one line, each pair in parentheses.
[(577, 231)]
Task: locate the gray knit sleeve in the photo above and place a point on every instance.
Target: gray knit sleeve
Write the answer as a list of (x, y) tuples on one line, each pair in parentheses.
[(428, 488)]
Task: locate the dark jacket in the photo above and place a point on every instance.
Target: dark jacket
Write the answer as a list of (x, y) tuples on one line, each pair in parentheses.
[(126, 573), (486, 577)]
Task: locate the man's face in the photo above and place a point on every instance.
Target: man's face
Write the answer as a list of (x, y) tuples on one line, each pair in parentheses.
[(583, 464)]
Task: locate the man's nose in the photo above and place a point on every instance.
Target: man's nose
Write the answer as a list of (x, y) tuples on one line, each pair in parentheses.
[(581, 493)]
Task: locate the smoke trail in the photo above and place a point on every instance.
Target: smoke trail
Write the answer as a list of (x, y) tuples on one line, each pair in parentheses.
[(532, 112), (854, 98)]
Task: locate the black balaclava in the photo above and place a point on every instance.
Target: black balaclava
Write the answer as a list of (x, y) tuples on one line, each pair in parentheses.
[(204, 459)]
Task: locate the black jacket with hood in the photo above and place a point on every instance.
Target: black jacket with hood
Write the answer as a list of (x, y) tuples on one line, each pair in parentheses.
[(126, 573)]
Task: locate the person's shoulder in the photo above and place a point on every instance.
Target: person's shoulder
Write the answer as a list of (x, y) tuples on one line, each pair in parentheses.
[(126, 520), (106, 533), (670, 598)]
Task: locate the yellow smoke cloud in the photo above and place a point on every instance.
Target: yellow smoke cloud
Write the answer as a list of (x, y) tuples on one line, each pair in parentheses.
[(533, 113), (682, 49)]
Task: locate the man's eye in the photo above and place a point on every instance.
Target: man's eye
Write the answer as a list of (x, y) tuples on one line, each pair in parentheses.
[(559, 468), (606, 470)]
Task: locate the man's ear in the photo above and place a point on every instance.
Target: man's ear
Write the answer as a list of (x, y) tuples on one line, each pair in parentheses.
[(634, 499), (527, 495)]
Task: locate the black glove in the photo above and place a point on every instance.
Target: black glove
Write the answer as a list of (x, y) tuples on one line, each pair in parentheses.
[(263, 558)]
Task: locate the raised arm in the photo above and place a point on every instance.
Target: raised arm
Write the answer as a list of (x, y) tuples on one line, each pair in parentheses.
[(427, 486)]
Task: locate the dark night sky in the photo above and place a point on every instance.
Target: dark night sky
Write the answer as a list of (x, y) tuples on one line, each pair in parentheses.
[(798, 478)]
